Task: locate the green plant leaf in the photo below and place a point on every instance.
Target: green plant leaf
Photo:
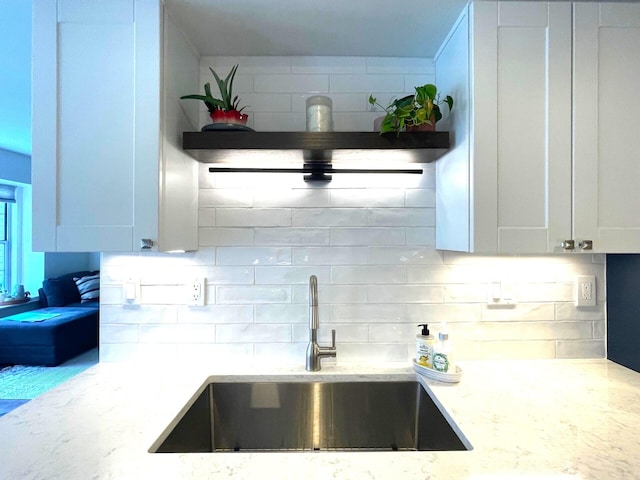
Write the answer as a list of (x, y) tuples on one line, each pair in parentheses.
[(372, 100), (449, 101), (431, 91), (195, 97)]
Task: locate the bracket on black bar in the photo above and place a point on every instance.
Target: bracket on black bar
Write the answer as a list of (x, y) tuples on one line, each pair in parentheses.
[(318, 171)]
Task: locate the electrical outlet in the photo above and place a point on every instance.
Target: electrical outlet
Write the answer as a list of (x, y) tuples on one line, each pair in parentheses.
[(195, 292), (585, 287)]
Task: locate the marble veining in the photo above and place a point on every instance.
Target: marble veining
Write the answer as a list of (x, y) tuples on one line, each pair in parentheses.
[(556, 419)]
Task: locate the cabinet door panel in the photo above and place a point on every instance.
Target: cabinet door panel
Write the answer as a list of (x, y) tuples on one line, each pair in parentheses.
[(606, 139), (533, 130), (95, 124), (96, 82)]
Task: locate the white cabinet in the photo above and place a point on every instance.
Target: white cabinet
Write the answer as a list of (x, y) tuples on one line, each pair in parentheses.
[(539, 153), (606, 150), (100, 171)]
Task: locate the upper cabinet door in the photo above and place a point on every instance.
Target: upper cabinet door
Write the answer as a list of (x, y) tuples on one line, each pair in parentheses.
[(533, 78), (96, 117), (510, 166), (606, 126)]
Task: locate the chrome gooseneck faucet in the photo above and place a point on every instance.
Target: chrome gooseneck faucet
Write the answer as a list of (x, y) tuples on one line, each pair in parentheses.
[(314, 351)]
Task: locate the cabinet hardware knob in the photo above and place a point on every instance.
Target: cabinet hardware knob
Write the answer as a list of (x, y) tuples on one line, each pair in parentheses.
[(146, 244), (568, 244), (586, 245)]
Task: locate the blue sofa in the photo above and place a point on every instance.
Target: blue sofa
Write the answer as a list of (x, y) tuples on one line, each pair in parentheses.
[(71, 329)]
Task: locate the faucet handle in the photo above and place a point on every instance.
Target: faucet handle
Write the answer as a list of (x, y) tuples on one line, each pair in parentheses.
[(333, 338)]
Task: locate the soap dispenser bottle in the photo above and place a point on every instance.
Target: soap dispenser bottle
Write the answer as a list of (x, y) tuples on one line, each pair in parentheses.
[(443, 354), (424, 347)]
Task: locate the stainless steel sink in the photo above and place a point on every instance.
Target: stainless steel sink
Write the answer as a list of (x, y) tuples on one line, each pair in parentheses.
[(308, 416)]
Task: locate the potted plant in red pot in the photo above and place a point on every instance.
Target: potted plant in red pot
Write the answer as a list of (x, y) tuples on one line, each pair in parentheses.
[(225, 109), (419, 111)]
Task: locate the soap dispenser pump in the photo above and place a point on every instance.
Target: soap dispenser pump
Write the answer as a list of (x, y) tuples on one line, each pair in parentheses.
[(424, 347)]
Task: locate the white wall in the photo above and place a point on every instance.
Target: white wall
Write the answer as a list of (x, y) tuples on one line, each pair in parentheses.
[(369, 239)]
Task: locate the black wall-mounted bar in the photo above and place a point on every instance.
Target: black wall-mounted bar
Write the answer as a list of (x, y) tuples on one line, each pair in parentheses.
[(318, 172)]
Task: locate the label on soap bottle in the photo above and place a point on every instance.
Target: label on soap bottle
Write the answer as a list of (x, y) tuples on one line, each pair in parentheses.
[(424, 354), (441, 362)]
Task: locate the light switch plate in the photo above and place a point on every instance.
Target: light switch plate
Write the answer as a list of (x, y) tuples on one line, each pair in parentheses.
[(131, 291)]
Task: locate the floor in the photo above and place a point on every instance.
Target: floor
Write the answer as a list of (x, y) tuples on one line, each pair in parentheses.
[(20, 383)]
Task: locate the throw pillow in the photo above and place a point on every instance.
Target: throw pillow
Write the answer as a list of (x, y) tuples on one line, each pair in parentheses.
[(88, 287), (60, 291)]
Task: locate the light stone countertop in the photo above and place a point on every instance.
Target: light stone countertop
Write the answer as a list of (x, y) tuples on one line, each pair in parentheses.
[(545, 419)]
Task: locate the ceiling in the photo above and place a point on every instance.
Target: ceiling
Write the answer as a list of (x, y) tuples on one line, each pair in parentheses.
[(383, 28)]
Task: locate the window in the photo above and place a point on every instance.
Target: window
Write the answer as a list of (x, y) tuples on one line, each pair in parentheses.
[(7, 197), (4, 246)]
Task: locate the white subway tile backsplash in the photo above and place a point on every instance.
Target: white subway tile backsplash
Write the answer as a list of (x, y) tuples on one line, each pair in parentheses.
[(279, 122), (222, 236), (323, 65), (331, 294), (366, 83), (390, 65), (291, 198), (368, 238), (227, 198), (292, 236), (249, 65), (253, 256), (369, 313), (266, 333), (420, 236), (386, 274), (420, 197), (392, 332), (580, 349), (405, 294), (328, 217), (363, 198), (290, 275), (253, 217), (280, 353), (119, 333), (283, 313), (382, 352), (206, 217), (162, 294), (216, 314), (402, 217), (412, 81), (291, 83), (404, 256), (178, 333), (436, 313), (253, 294), (137, 314), (330, 255), (345, 333), (263, 102)]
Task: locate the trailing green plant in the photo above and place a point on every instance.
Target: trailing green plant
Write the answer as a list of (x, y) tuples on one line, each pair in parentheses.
[(413, 110), (228, 102)]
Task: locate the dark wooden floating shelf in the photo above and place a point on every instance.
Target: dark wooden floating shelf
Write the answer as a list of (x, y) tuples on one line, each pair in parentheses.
[(214, 146)]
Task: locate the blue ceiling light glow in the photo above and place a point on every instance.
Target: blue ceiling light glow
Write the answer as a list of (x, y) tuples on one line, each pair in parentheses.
[(15, 76)]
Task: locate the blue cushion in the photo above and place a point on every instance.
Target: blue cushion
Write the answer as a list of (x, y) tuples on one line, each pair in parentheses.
[(62, 290)]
